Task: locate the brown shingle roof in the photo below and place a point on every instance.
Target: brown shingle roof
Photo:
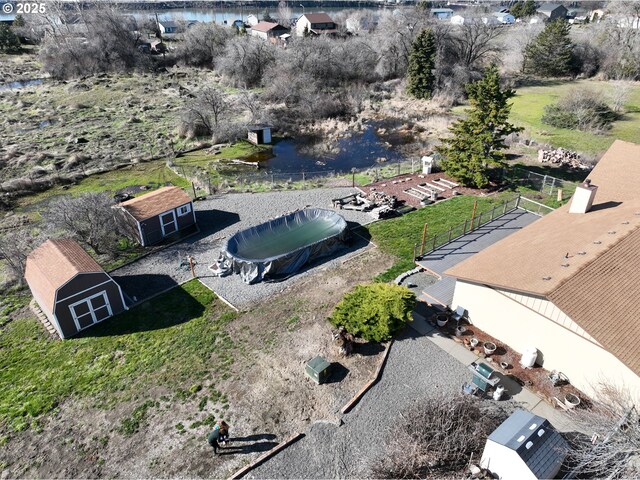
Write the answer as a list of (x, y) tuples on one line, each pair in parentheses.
[(264, 26), (318, 18), (595, 270), (602, 299), (53, 264), (155, 203)]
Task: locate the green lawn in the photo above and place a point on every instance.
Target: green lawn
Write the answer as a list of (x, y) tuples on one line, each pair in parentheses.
[(239, 150), (529, 103), (153, 174), (166, 342), (397, 236)]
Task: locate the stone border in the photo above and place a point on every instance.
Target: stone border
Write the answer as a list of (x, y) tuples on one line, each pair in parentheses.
[(265, 456), (356, 398)]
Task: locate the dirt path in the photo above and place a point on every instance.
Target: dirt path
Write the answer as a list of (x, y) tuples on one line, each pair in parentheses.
[(266, 398)]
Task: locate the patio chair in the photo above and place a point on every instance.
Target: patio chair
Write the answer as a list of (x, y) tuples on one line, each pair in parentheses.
[(459, 314)]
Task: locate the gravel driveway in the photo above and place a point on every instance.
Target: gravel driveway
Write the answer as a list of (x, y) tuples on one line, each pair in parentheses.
[(416, 368), (219, 217)]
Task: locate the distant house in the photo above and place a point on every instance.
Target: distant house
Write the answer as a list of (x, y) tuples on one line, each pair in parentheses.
[(360, 23), (268, 30), (458, 19), (552, 11), (167, 27), (71, 289), (568, 283), (505, 18), (259, 134), (316, 24), (158, 214), (526, 447), (442, 13)]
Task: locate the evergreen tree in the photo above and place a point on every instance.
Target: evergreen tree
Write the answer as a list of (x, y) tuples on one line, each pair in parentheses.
[(422, 62), (9, 41), (528, 8), (551, 53), (478, 140)]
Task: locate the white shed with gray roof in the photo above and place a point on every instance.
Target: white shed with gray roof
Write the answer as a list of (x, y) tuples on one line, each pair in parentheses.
[(524, 446)]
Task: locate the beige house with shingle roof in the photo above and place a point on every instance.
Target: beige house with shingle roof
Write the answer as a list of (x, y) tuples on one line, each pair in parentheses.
[(569, 284)]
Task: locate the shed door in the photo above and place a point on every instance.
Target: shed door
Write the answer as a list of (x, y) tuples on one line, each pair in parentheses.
[(91, 310), (168, 223)]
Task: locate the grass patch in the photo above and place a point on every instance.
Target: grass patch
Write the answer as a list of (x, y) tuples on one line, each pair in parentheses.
[(528, 108), (153, 174), (172, 340), (397, 236), (239, 150)]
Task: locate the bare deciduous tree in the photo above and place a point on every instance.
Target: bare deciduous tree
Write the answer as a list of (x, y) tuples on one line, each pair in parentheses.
[(476, 44), (245, 60), (285, 14), (203, 44), (437, 437), (15, 245), (88, 218), (614, 421)]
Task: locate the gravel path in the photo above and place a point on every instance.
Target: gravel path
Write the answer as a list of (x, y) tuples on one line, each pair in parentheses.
[(416, 368), (219, 217)]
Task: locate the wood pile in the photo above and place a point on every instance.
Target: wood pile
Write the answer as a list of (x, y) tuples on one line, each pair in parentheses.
[(561, 156)]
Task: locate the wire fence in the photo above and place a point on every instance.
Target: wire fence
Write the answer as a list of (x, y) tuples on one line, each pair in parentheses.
[(428, 245), (543, 183), (264, 180)]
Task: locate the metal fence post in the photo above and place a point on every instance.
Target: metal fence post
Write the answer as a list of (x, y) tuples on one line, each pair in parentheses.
[(450, 228), (504, 210), (464, 230), (434, 243)]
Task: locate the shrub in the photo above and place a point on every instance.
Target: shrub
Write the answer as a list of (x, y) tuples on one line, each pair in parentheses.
[(581, 110), (436, 438), (374, 312)]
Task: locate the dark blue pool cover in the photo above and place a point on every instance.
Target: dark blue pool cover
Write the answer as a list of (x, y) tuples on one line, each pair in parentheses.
[(283, 245)]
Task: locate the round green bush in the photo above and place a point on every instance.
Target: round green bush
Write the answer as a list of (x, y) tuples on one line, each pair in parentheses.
[(374, 312)]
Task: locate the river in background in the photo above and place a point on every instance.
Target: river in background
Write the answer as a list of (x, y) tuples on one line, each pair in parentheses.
[(220, 15)]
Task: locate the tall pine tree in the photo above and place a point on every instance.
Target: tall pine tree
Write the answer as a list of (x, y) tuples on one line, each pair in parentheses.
[(551, 53), (422, 62), (478, 140)]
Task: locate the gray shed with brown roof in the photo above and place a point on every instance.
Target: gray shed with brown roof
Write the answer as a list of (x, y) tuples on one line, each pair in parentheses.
[(158, 214), (72, 290)]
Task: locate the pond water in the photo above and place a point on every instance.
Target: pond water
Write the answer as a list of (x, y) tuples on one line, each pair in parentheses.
[(361, 150), (21, 84)]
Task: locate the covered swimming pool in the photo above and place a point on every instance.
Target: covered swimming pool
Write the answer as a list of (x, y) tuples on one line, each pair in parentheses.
[(283, 245)]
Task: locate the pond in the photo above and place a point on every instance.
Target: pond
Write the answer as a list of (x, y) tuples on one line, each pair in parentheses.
[(360, 150), (20, 84)]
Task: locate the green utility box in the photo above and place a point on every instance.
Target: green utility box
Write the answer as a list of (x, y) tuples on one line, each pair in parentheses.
[(318, 369)]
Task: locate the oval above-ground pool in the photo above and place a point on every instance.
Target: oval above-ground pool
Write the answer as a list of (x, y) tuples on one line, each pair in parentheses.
[(283, 245)]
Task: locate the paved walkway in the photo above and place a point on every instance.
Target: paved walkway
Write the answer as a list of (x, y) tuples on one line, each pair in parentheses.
[(464, 247)]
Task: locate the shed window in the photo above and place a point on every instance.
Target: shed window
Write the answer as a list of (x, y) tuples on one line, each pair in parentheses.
[(521, 438), (529, 445), (183, 210)]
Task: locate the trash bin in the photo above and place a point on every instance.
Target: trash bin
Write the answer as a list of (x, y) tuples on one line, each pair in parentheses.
[(318, 369)]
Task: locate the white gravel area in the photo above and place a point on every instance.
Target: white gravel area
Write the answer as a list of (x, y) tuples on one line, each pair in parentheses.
[(219, 217), (416, 368)]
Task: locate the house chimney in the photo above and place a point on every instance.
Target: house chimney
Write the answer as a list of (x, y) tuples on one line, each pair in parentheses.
[(583, 198)]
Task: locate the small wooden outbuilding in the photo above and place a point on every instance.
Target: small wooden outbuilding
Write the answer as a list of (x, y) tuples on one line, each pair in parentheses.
[(72, 290), (259, 134), (158, 214)]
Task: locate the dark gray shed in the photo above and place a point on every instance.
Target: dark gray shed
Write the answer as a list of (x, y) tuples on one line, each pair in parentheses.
[(524, 446), (72, 290), (158, 214)]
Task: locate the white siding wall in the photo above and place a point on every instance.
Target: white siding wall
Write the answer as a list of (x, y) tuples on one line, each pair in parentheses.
[(302, 22), (262, 35), (562, 348), (505, 462)]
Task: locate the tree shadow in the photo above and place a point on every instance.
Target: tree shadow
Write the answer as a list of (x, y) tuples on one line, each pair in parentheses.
[(338, 373), (368, 349)]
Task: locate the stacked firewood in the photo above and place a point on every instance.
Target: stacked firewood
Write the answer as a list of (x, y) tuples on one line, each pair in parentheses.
[(562, 156)]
